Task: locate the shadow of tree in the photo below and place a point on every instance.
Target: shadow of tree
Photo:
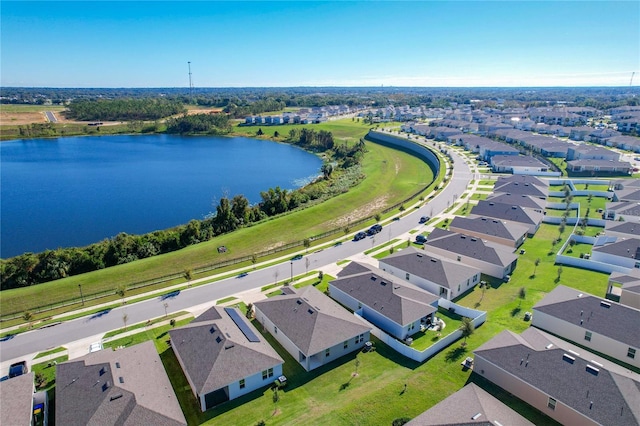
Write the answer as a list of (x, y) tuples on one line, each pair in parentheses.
[(454, 354), (515, 311)]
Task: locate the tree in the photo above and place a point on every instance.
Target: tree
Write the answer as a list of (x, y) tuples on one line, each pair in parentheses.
[(467, 328), (260, 132), (172, 322), (249, 313), (27, 316), (306, 243), (275, 398), (559, 273), (378, 216), (536, 263), (187, 274), (125, 318), (254, 260), (522, 294), (121, 291)]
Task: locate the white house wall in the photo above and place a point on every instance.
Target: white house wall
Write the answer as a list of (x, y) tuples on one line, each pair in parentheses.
[(626, 262), (630, 298), (490, 269), (576, 333), (423, 283), (529, 394), (254, 382)]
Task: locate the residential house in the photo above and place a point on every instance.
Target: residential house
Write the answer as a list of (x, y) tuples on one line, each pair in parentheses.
[(471, 405), (630, 143), (518, 164), (525, 201), (627, 194), (598, 167), (434, 273), (314, 329), (568, 384), (629, 287), (388, 302), (591, 152), (16, 395), (529, 217), (524, 180), (128, 386), (487, 228), (601, 135), (625, 253), (623, 229), (223, 356), (580, 133), (622, 210), (520, 188), (599, 325), (490, 258)]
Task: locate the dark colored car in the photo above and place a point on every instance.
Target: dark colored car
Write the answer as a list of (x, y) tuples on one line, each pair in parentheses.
[(18, 369), (424, 219), (421, 239), (359, 236), (297, 257), (374, 229)]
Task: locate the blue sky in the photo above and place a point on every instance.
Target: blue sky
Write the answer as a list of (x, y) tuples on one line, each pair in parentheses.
[(314, 43)]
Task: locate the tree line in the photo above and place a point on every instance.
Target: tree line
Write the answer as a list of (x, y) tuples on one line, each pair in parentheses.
[(123, 109), (230, 214), (199, 124)]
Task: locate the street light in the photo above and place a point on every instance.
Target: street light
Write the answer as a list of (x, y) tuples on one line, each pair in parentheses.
[(291, 270), (81, 296)]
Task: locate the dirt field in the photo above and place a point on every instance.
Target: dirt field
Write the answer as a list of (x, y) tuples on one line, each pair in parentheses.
[(20, 118)]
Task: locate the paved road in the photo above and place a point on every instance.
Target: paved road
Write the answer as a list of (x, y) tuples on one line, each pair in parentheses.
[(51, 116), (43, 339)]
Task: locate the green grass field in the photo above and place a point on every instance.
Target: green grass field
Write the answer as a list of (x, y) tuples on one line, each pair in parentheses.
[(30, 108)]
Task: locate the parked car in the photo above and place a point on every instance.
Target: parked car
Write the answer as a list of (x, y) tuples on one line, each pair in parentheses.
[(421, 239), (18, 369), (297, 257), (424, 219), (374, 229), (359, 236)]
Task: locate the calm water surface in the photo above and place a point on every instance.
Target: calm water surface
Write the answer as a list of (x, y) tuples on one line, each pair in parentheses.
[(75, 191)]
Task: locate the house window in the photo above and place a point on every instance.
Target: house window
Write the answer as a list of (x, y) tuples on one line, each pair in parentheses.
[(270, 372), (631, 353), (345, 345), (587, 336), (275, 330), (360, 339), (242, 384), (327, 352), (551, 403), (637, 265), (406, 277)]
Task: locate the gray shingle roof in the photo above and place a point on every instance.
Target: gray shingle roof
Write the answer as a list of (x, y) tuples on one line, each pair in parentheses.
[(523, 179), (128, 387), (489, 226), (311, 320), (615, 395), (631, 208), (16, 395), (629, 248), (471, 401), (630, 282), (215, 352), (444, 272), (517, 161), (472, 247), (526, 201), (630, 228), (514, 213), (520, 189), (601, 316), (396, 299)]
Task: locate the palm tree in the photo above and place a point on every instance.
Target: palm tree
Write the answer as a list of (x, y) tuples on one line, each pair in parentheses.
[(121, 291), (522, 294), (536, 263), (467, 328)]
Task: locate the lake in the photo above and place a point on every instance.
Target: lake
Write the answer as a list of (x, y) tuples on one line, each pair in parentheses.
[(75, 191)]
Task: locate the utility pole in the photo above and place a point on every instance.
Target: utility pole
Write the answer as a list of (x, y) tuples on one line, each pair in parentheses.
[(81, 296), (190, 83)]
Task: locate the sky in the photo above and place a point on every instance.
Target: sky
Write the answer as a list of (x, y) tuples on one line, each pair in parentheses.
[(319, 43)]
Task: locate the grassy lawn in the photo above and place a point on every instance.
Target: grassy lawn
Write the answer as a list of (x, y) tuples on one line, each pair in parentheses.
[(479, 196), (144, 324), (560, 163), (225, 300), (51, 351), (560, 213), (578, 249), (464, 210), (591, 187), (487, 182), (392, 175), (424, 339), (585, 204)]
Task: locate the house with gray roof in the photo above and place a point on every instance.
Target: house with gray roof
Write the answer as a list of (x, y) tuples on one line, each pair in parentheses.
[(518, 164), (599, 167), (628, 285), (388, 302), (623, 252), (490, 258), (525, 201), (599, 325), (520, 188), (525, 180), (314, 329), (432, 272), (627, 194), (491, 229), (471, 405), (629, 143), (623, 229), (223, 356), (622, 210), (127, 387), (529, 217), (16, 395), (567, 383)]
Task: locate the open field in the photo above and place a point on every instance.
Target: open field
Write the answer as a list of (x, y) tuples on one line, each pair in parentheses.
[(391, 177)]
